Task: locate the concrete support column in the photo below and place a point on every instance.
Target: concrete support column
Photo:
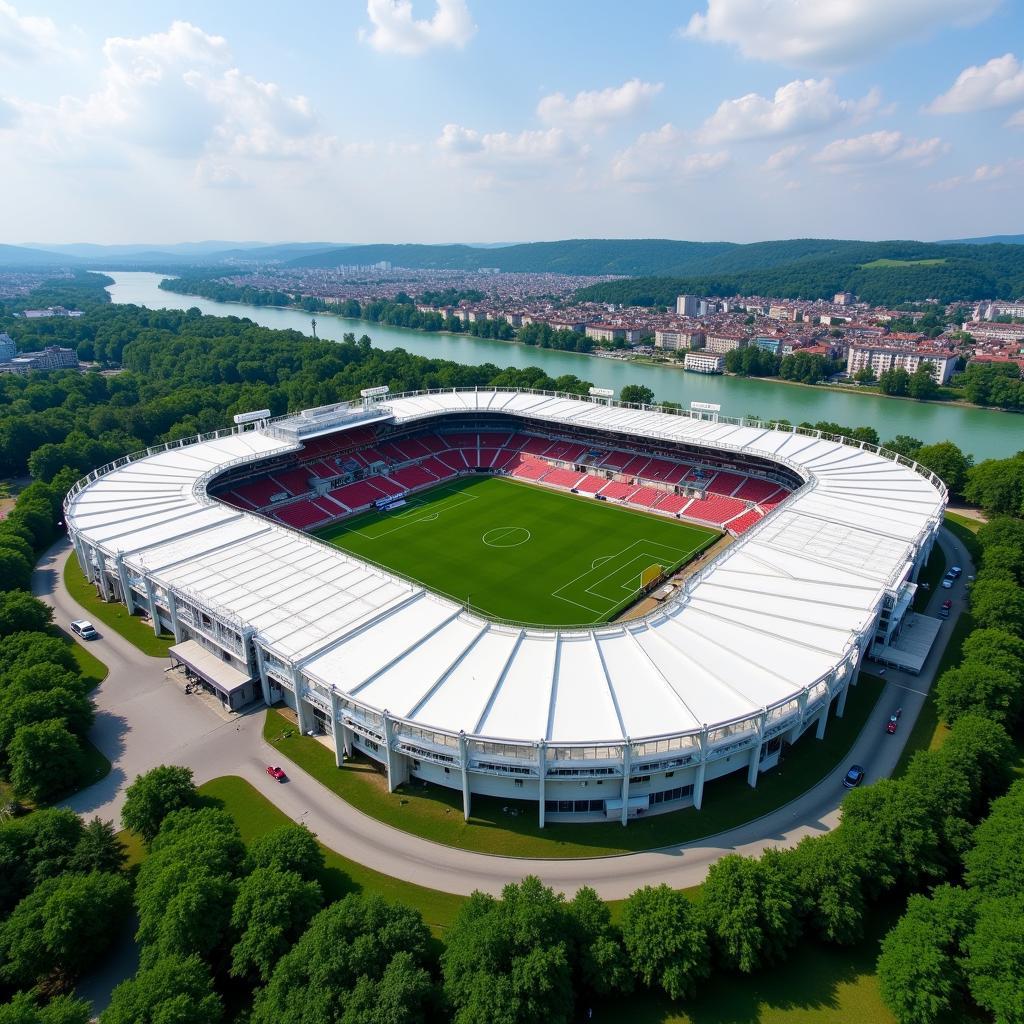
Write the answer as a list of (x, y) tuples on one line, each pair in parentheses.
[(841, 705), (261, 668), (154, 614), (698, 782), (126, 590), (822, 720), (83, 561), (103, 581), (337, 729), (396, 762), (467, 796), (627, 770), (755, 752), (172, 608), (301, 704), (542, 770)]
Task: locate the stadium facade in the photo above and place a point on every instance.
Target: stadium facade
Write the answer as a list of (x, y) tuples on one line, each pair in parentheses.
[(602, 722)]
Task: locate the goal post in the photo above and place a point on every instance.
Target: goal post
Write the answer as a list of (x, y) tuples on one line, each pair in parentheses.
[(649, 575)]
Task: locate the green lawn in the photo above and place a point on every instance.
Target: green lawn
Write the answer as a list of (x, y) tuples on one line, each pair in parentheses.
[(113, 614), (520, 552), (509, 827)]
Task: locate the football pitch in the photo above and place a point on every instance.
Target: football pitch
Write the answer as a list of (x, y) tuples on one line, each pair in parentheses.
[(516, 551)]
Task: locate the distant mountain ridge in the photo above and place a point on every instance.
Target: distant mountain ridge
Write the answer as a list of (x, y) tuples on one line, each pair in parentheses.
[(987, 240)]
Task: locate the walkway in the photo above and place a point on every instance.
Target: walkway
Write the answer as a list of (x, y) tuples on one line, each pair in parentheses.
[(143, 721)]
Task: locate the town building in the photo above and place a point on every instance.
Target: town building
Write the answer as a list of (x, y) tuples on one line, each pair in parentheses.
[(53, 357), (725, 341), (673, 339), (881, 358), (606, 332), (844, 299), (704, 362), (687, 305), (8, 350)]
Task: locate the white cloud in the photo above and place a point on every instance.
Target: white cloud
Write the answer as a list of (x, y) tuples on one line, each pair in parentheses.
[(880, 147), (984, 174), (23, 37), (8, 114), (395, 30), (796, 108), (214, 174), (999, 83), (657, 156), (1016, 120), (783, 158), (175, 94), (500, 155), (826, 33), (596, 108)]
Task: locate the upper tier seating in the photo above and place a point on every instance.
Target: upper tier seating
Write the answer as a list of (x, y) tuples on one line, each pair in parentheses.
[(725, 483), (754, 489), (294, 481), (301, 515), (715, 508), (744, 522), (259, 492)]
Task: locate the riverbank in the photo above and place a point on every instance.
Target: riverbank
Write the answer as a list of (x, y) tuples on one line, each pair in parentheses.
[(977, 432), (612, 356)]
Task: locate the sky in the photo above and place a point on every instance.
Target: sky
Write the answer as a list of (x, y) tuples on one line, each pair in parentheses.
[(510, 120)]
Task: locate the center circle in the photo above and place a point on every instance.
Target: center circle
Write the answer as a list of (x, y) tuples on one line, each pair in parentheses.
[(506, 537)]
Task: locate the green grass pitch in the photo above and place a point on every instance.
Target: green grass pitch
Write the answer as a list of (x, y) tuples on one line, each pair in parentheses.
[(516, 551)]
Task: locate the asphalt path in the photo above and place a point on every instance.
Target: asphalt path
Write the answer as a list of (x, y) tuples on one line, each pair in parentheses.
[(143, 720)]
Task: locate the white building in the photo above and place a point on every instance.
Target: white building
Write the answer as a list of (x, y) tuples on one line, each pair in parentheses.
[(674, 339), (687, 305), (704, 362), (880, 358)]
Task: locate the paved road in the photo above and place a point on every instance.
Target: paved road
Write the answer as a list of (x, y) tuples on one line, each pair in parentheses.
[(143, 721)]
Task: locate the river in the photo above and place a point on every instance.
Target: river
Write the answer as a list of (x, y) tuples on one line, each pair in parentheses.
[(984, 433)]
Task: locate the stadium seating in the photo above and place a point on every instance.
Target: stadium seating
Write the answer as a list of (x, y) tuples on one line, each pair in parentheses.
[(259, 492), (616, 460), (356, 495), (725, 483), (635, 466), (673, 503), (536, 445), (387, 486), (461, 440), (716, 508), (646, 497), (294, 481), (440, 469), (743, 522), (754, 489), (495, 440), (530, 469), (564, 477), (565, 451), (301, 514), (591, 484), (453, 460), (615, 491), (410, 477)]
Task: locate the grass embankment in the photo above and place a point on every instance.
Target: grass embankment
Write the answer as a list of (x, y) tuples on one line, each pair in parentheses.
[(509, 827), (113, 614)]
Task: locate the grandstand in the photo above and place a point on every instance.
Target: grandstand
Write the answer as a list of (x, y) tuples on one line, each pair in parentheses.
[(207, 538)]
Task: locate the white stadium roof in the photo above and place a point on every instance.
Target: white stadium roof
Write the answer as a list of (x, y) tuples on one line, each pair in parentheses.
[(775, 613)]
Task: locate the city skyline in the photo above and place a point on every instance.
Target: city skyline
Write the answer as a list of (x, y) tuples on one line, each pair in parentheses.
[(456, 120)]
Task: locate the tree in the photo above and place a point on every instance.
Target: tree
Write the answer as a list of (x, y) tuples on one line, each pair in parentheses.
[(46, 761), (919, 973), (894, 382), (98, 849), (597, 955), (272, 909), (22, 612), (361, 955), (1001, 530), (997, 485), (21, 708), (865, 376), (287, 848), (23, 1009), (15, 569), (637, 394), (999, 604), (508, 958), (828, 879), (195, 919), (665, 940), (749, 908), (995, 960), (64, 924), (20, 650), (904, 444), (948, 462), (975, 688), (172, 991), (994, 865), (922, 384), (151, 797)]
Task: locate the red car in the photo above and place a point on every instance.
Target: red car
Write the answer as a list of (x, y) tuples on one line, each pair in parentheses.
[(894, 721), (276, 773)]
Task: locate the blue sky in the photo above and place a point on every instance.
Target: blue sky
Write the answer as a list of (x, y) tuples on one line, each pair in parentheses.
[(480, 120)]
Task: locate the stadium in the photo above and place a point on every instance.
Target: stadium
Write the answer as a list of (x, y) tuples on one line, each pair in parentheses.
[(510, 593)]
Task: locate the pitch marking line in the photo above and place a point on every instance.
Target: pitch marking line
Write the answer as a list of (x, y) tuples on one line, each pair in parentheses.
[(507, 537), (406, 517)]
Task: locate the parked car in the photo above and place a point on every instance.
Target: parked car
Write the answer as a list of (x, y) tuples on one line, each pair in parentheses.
[(85, 629), (894, 721), (948, 580), (854, 777), (956, 572), (276, 773), (947, 607)]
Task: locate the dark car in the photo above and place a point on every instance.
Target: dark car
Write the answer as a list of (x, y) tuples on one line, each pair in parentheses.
[(276, 773), (947, 607), (949, 579), (956, 572), (854, 777), (894, 721)]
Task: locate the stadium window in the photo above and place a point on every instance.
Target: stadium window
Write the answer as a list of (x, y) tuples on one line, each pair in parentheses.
[(518, 783), (636, 780)]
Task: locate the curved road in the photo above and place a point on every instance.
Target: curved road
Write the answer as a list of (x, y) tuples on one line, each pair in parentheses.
[(142, 721)]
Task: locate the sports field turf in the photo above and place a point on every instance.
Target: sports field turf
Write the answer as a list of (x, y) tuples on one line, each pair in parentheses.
[(516, 551)]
